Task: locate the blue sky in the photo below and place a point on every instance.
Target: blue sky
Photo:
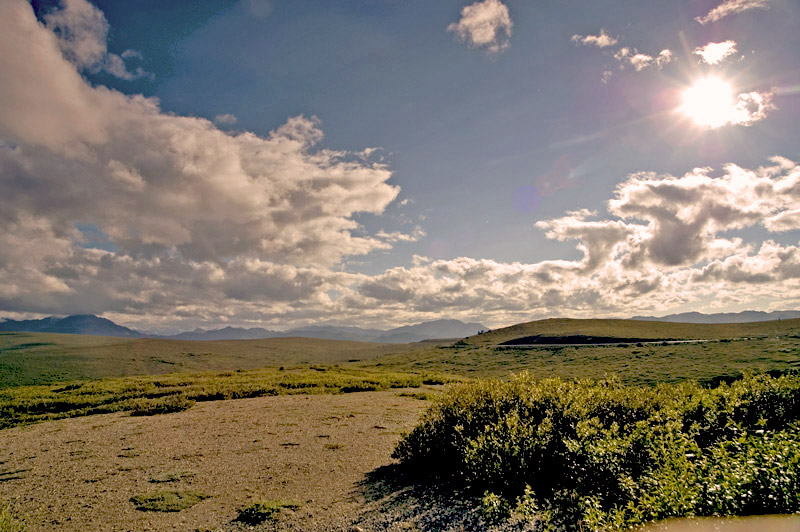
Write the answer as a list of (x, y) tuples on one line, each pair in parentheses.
[(530, 159)]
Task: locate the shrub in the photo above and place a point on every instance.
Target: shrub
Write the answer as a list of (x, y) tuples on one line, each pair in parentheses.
[(611, 456), (259, 512), (160, 405), (167, 501)]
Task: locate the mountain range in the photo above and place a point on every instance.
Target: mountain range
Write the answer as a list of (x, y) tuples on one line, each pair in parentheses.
[(746, 316), (94, 325)]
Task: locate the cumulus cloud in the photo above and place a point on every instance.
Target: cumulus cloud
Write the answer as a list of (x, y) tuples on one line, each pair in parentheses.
[(665, 241), (175, 197), (485, 24), (602, 40), (200, 225), (731, 7), (82, 32), (715, 52)]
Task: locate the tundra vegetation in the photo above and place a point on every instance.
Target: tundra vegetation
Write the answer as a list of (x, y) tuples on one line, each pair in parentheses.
[(667, 420), (602, 455)]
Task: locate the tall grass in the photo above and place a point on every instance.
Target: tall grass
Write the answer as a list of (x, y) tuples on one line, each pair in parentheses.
[(605, 456)]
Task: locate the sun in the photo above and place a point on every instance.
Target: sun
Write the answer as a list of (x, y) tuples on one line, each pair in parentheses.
[(710, 103)]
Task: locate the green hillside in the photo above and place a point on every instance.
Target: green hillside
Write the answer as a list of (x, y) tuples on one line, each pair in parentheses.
[(637, 329)]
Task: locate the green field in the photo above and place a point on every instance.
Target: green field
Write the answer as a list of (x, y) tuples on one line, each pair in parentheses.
[(44, 376), (42, 358)]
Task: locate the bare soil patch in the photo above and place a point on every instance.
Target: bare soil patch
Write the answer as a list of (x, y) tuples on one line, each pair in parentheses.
[(328, 453)]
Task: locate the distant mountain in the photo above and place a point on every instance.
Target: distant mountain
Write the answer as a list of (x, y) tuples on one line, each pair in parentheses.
[(726, 317), (226, 333), (409, 333), (332, 332), (93, 325), (430, 330), (77, 324)]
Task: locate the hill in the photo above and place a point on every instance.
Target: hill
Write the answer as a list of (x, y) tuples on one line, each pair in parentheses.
[(635, 329), (76, 324), (746, 316)]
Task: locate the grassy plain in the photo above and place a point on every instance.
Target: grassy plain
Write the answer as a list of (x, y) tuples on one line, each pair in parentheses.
[(42, 358)]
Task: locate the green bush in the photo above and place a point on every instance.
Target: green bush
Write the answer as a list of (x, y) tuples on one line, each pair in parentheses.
[(167, 501), (259, 512), (607, 456), (160, 405)]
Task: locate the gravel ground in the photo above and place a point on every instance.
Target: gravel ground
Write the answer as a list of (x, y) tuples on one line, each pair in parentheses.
[(328, 453)]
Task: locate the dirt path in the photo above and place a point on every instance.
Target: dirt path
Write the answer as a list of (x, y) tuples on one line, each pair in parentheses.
[(79, 474)]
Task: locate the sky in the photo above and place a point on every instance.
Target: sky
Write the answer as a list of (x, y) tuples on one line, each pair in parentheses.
[(276, 163)]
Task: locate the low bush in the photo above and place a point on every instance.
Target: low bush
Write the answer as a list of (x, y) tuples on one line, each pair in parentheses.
[(167, 501), (605, 456), (160, 405), (259, 512)]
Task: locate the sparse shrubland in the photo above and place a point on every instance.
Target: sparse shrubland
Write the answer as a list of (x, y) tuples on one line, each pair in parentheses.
[(606, 456), (178, 391)]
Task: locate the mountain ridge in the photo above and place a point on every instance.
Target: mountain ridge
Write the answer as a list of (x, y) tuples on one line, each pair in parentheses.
[(98, 326), (746, 316)]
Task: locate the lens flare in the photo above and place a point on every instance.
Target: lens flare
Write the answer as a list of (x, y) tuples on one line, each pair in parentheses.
[(710, 103)]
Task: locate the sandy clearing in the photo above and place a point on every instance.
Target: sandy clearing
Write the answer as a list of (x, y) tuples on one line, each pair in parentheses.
[(79, 474)]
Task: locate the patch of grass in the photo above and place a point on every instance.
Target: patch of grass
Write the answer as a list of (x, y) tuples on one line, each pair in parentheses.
[(171, 476), (167, 501), (259, 512), (151, 395), (611, 456), (160, 405), (9, 522)]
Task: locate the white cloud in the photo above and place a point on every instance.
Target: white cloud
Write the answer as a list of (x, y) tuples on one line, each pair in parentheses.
[(665, 242), (225, 119), (641, 61), (397, 236), (731, 7), (82, 31), (485, 24), (602, 40), (715, 52), (204, 226)]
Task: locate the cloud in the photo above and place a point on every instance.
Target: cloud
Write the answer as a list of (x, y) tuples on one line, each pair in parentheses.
[(731, 7), (194, 214), (202, 226), (715, 52), (602, 40), (665, 241), (485, 24), (82, 31), (397, 236), (641, 61), (225, 119)]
